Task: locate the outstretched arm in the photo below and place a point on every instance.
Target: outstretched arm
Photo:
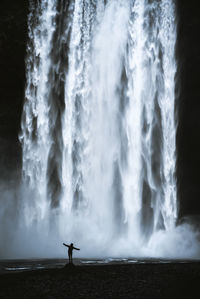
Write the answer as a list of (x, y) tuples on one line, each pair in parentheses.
[(65, 245), (76, 248)]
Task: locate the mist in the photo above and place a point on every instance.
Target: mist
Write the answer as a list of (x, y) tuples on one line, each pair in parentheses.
[(22, 239)]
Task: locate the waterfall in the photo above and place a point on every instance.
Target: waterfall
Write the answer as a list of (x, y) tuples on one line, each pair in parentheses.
[(98, 126)]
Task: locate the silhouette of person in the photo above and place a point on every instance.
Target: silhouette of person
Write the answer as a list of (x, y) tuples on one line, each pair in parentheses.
[(70, 250)]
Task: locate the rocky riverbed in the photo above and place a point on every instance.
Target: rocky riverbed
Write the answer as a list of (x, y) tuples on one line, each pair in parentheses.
[(148, 280)]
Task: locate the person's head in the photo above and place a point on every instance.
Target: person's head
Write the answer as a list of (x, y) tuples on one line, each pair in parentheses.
[(72, 244)]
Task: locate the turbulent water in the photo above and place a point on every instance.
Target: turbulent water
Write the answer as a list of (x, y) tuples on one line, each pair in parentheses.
[(98, 125)]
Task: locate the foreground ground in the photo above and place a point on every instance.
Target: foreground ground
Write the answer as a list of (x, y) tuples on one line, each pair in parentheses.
[(171, 280)]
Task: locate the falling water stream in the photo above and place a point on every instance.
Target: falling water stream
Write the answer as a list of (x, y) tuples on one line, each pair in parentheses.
[(98, 124)]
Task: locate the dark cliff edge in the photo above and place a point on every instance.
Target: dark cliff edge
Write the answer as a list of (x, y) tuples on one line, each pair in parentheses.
[(188, 107), (13, 37)]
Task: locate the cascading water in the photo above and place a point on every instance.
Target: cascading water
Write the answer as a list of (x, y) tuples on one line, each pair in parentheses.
[(98, 129)]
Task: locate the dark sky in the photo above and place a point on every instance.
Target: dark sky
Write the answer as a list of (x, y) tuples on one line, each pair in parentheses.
[(13, 35)]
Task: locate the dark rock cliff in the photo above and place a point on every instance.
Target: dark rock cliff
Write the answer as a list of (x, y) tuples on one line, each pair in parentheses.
[(188, 104), (13, 36)]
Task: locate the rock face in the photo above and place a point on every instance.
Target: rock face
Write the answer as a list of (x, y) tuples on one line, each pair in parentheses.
[(13, 37), (188, 104)]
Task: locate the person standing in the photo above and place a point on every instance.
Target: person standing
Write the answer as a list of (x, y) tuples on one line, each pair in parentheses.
[(70, 251)]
